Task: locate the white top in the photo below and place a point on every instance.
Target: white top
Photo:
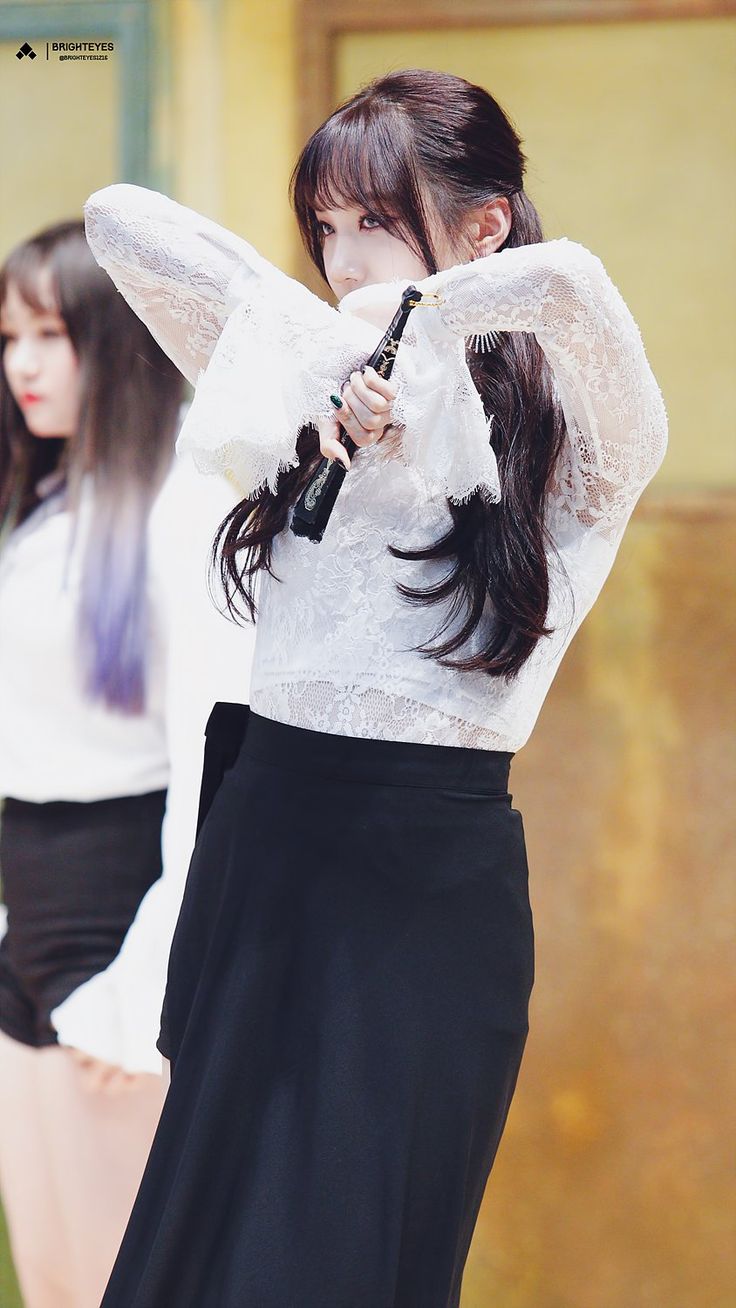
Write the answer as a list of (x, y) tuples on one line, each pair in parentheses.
[(336, 643), (55, 744)]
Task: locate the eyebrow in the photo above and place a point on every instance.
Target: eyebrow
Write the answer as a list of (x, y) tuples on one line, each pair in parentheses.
[(363, 210)]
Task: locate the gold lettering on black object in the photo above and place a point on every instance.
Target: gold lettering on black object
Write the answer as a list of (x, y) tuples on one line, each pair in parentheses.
[(315, 487), (390, 351)]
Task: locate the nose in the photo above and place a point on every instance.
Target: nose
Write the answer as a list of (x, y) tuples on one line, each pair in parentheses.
[(346, 270), (25, 361)]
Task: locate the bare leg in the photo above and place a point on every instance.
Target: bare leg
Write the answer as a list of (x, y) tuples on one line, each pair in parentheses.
[(32, 1208), (91, 1149)]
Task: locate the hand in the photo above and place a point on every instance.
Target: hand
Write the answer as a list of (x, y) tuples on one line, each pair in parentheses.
[(104, 1077), (365, 414)]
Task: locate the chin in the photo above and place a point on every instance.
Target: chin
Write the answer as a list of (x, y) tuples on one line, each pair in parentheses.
[(44, 435)]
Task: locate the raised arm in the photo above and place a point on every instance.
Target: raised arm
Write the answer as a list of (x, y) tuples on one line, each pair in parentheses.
[(262, 351), (613, 407), (172, 265)]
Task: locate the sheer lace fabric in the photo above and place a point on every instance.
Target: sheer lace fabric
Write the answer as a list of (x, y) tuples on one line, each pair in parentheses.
[(370, 713), (613, 407), (336, 644)]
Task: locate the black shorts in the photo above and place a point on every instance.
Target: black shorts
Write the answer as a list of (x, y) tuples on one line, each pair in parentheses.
[(73, 875)]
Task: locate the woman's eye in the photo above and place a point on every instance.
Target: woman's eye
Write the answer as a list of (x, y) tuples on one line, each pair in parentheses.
[(368, 222), (51, 333)]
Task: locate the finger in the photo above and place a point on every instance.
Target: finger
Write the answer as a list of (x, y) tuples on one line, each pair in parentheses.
[(335, 451), (388, 389), (95, 1076), (370, 398), (115, 1081), (120, 1082), (329, 443), (352, 423), (359, 421), (372, 411)]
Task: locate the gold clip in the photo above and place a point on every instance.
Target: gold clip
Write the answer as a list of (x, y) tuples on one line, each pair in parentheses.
[(427, 297)]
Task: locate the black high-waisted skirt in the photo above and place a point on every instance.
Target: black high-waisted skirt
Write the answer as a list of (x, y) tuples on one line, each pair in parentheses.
[(73, 877), (345, 1015)]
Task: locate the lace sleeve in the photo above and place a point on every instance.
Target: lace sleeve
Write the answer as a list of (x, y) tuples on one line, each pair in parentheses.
[(614, 411), (262, 351), (114, 1016), (172, 265)]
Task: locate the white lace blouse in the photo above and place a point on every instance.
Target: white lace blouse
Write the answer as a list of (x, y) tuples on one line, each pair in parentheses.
[(336, 644)]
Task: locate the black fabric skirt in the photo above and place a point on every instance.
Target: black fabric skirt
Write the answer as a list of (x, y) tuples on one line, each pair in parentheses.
[(73, 876), (345, 1015)]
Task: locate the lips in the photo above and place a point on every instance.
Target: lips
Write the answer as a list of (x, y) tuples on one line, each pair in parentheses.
[(29, 398)]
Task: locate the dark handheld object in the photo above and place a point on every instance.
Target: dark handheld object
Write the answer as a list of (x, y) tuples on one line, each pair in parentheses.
[(315, 504)]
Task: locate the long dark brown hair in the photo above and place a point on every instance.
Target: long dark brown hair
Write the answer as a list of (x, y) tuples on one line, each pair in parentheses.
[(409, 138), (130, 397)]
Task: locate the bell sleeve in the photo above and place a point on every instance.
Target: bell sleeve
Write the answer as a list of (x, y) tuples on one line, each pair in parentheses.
[(262, 351), (172, 265), (613, 408), (115, 1015)]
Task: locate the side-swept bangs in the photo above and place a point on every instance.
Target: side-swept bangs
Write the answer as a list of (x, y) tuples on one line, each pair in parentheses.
[(23, 269)]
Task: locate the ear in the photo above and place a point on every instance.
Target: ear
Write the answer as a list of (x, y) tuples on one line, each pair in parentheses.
[(490, 225)]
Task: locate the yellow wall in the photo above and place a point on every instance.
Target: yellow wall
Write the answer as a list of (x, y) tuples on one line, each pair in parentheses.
[(223, 123), (260, 123), (232, 127), (54, 151)]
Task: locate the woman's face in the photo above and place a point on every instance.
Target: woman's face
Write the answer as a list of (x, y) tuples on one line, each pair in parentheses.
[(359, 251), (40, 363)]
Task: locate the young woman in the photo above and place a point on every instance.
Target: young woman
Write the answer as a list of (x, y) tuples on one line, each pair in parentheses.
[(348, 987), (110, 659)]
